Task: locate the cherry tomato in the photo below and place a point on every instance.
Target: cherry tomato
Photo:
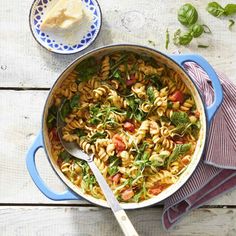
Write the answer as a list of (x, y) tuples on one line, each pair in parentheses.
[(127, 194), (131, 81), (128, 126), (116, 178), (118, 142), (197, 114), (177, 96), (156, 189)]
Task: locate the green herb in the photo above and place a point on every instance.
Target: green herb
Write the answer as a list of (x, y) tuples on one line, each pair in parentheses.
[(161, 161), (206, 28), (97, 135), (169, 104), (113, 166), (74, 101), (182, 39), (231, 23), (179, 118), (150, 93), (143, 160), (117, 76), (65, 156), (195, 128), (165, 119), (230, 9), (65, 109), (135, 111), (149, 60), (202, 46), (180, 150), (215, 9), (187, 15), (196, 30), (167, 38), (87, 68), (155, 79), (52, 116), (79, 132)]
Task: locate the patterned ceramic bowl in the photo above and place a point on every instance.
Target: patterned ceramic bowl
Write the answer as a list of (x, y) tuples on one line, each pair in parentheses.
[(73, 42)]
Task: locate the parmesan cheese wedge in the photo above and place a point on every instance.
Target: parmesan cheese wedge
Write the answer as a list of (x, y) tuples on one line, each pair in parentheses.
[(64, 15)]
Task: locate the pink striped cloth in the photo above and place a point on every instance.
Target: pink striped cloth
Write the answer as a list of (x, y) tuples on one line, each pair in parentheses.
[(216, 172)]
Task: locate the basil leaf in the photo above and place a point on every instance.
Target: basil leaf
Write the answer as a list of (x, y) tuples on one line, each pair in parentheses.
[(196, 30), (182, 39), (74, 101), (187, 15), (230, 9), (180, 150), (215, 9)]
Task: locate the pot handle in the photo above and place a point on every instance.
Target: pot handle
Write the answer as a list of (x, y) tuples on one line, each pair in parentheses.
[(31, 166), (218, 92)]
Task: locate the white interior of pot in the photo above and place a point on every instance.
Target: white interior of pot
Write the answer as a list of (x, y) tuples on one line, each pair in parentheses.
[(200, 144)]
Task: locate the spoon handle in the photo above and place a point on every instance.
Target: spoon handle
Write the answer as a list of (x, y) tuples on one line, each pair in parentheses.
[(123, 220)]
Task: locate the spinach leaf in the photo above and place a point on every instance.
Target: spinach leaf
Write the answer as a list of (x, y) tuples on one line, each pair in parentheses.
[(79, 132), (52, 116), (65, 156), (215, 9), (149, 60), (165, 119), (97, 135), (150, 93), (87, 68), (180, 150), (155, 79), (113, 166), (74, 101), (179, 118), (187, 15), (135, 112), (65, 109)]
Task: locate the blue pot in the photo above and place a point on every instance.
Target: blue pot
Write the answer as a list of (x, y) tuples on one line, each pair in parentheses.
[(174, 61)]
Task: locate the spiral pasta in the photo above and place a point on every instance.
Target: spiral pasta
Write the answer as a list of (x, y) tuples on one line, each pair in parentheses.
[(126, 110)]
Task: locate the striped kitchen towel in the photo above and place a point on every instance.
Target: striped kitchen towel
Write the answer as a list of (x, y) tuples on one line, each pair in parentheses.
[(216, 172)]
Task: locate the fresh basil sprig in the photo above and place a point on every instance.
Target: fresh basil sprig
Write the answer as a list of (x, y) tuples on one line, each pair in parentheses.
[(215, 9), (187, 15), (196, 30)]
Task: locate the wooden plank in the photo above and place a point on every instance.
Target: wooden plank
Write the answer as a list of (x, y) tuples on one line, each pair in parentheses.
[(30, 221), (20, 126), (25, 64)]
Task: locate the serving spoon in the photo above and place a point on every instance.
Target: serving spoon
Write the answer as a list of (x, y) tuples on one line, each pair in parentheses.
[(72, 148)]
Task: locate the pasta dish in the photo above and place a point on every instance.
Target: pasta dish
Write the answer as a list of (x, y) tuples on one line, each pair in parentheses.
[(135, 115)]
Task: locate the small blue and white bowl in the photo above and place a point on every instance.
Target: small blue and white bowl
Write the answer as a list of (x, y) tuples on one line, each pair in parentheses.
[(76, 41)]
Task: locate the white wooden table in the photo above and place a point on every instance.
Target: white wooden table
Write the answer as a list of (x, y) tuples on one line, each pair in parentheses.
[(27, 71)]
